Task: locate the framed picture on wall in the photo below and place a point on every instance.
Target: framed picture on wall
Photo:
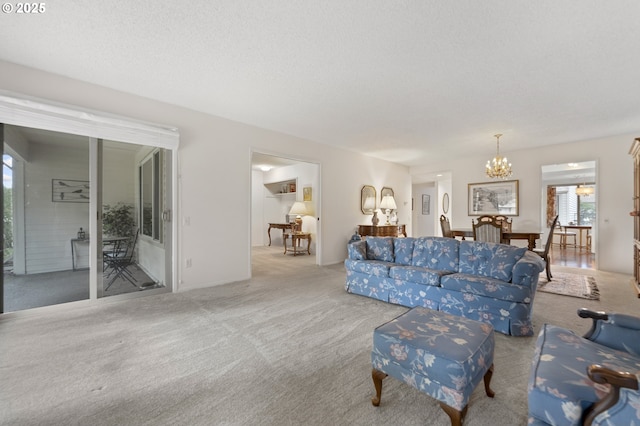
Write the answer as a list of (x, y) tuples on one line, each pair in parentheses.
[(306, 193), (69, 191), (493, 198), (426, 204)]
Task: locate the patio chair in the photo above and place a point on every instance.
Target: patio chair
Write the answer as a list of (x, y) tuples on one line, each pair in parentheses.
[(119, 261)]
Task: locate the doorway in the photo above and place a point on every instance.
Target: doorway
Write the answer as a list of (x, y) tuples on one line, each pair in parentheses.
[(569, 190), (283, 191)]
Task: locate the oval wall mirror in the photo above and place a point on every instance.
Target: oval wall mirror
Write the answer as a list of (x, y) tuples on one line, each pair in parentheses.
[(367, 199), (445, 203)]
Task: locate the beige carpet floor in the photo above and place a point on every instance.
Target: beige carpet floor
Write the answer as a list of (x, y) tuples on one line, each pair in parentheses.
[(288, 347)]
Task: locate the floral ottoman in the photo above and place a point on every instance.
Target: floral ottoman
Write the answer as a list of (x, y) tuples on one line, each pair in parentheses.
[(442, 355)]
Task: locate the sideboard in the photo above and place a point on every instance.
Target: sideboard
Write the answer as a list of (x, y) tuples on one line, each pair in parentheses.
[(381, 230)]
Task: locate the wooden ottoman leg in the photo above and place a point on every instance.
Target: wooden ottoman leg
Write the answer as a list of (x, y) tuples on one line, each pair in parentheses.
[(487, 382), (455, 415), (377, 377)]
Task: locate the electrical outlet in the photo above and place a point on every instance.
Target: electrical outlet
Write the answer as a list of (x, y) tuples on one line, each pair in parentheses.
[(188, 263)]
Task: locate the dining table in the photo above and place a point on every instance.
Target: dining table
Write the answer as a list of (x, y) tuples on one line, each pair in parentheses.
[(529, 236), (580, 229)]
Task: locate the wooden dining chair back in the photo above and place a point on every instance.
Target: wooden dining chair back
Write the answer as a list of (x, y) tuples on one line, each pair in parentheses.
[(505, 222), (446, 226), (487, 230), (544, 251)]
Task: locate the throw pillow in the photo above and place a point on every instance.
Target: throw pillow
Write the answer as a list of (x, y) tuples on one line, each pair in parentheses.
[(380, 248)]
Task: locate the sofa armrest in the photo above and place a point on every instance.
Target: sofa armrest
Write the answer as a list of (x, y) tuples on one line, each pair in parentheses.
[(618, 331), (527, 269), (617, 400)]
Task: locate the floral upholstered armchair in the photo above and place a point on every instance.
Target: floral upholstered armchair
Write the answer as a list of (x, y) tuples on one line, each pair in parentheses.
[(589, 380)]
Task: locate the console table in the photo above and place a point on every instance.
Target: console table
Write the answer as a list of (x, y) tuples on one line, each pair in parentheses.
[(381, 230), (283, 226)]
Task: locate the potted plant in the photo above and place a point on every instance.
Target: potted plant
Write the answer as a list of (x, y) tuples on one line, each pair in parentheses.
[(118, 220)]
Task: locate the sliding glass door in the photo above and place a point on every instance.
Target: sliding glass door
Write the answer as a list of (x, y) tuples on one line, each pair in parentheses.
[(55, 250), (77, 194), (46, 180)]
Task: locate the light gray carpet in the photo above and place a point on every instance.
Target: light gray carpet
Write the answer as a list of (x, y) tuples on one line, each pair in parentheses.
[(288, 347), (52, 288)]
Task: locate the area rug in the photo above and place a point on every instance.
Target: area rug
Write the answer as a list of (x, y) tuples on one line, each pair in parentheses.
[(567, 284)]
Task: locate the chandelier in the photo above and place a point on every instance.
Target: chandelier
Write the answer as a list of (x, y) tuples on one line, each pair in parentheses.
[(584, 191), (499, 167)]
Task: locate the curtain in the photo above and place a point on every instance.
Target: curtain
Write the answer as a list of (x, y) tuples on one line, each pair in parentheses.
[(551, 205)]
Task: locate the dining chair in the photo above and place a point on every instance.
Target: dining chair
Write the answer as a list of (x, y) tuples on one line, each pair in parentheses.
[(446, 226), (487, 229), (544, 252), (505, 222), (564, 235)]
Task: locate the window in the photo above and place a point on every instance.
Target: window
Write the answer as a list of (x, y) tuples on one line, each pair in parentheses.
[(7, 172), (151, 195), (573, 209)]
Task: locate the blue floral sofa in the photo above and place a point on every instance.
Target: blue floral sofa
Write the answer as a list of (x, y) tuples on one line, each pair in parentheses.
[(493, 283), (587, 380)]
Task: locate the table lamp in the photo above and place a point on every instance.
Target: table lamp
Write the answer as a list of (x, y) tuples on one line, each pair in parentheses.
[(370, 206), (299, 209), (387, 204)]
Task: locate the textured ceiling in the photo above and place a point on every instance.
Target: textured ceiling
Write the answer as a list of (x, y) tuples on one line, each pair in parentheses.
[(413, 82)]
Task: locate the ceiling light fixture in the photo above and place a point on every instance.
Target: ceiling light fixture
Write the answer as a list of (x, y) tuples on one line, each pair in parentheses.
[(499, 167), (585, 191)]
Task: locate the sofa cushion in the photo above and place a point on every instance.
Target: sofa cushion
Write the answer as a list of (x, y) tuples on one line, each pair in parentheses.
[(559, 389), (487, 286), (403, 250), (436, 253), (417, 274), (489, 259), (357, 250), (369, 267), (380, 248)]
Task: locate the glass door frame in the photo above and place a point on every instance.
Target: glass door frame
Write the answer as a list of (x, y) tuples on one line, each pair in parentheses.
[(26, 111)]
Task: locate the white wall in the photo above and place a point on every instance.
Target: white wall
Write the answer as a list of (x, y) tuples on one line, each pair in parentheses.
[(214, 162), (424, 225), (49, 225), (614, 183), (444, 187)]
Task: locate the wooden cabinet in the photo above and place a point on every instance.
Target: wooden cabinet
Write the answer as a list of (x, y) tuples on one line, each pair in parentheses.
[(382, 230), (635, 213)]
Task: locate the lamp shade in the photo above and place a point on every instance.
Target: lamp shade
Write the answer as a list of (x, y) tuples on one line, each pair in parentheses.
[(388, 203), (370, 203), (298, 208)]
